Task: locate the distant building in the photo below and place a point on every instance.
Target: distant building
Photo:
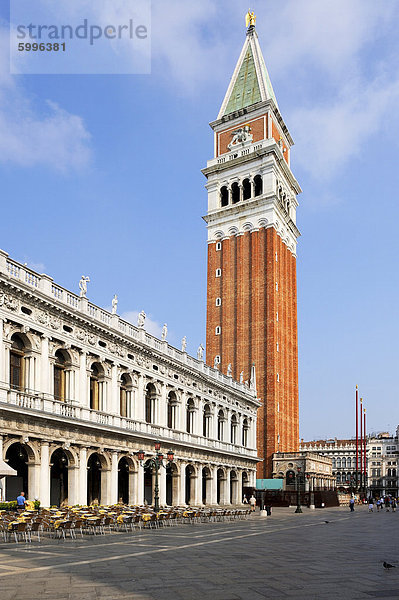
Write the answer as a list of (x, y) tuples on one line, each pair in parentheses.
[(314, 470), (382, 452), (343, 457)]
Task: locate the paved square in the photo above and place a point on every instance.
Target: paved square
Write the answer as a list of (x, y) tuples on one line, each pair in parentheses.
[(284, 556)]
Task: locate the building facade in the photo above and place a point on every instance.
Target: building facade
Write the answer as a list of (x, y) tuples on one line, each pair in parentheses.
[(81, 391), (343, 457), (314, 470), (381, 462), (383, 451), (252, 240)]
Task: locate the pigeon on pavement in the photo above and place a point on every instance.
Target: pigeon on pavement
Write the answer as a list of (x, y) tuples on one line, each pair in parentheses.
[(388, 566)]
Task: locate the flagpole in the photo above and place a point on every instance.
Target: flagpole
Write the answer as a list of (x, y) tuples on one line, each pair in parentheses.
[(357, 439), (364, 454), (361, 444)]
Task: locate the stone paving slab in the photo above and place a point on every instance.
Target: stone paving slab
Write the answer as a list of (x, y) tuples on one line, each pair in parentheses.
[(284, 556)]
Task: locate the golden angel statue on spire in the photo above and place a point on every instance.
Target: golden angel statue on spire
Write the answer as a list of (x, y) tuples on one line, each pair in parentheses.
[(250, 18)]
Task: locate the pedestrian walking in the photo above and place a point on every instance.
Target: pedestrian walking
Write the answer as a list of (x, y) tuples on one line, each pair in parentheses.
[(371, 506), (352, 504), (387, 503), (393, 504), (252, 502), (245, 500)]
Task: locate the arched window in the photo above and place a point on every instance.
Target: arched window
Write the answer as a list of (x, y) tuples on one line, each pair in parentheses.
[(246, 189), (245, 428), (338, 477), (125, 396), (233, 429), (206, 421), (343, 463), (258, 185), (235, 193), (97, 387), (150, 398), (17, 363), (333, 463), (59, 376), (172, 410), (290, 477), (338, 462), (221, 420), (224, 196), (190, 415)]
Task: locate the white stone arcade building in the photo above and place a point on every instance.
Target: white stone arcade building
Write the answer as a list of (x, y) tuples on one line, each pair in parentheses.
[(81, 391)]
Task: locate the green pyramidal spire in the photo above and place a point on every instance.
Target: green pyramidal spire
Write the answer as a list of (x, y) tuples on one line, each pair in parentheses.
[(250, 82)]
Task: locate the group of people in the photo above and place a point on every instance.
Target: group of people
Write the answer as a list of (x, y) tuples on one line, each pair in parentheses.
[(388, 502)]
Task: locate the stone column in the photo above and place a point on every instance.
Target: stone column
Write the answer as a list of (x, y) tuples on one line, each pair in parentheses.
[(2, 353), (83, 398), (44, 490), (2, 479), (82, 490), (139, 474), (34, 481), (114, 405), (162, 415), (140, 400), (224, 491), (239, 487), (132, 486), (105, 486), (214, 486), (113, 494), (213, 429), (73, 485), (44, 385), (198, 416), (162, 486), (182, 495), (198, 487)]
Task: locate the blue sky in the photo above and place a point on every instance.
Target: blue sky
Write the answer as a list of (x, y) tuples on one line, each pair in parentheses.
[(101, 176)]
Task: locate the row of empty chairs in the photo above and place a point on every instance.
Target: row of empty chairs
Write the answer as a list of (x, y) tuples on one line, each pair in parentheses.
[(99, 520)]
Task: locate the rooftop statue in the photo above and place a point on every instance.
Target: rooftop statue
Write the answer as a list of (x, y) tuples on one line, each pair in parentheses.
[(250, 18)]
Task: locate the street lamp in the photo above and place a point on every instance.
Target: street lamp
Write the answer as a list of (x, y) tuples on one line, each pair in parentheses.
[(155, 462), (298, 493)]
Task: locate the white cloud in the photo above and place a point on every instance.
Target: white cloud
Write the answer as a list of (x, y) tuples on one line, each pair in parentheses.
[(330, 136), (151, 326), (326, 34), (51, 137)]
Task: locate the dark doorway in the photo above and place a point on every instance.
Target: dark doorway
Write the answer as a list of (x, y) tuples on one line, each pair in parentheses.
[(123, 480), (58, 478), (94, 479), (147, 484), (17, 458)]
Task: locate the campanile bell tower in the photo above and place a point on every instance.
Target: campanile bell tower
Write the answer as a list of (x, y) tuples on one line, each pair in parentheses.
[(252, 238)]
